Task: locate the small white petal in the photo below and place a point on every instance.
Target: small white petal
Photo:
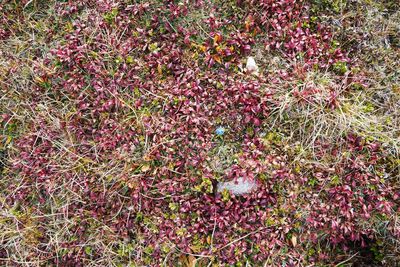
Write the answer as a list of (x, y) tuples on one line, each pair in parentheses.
[(251, 65)]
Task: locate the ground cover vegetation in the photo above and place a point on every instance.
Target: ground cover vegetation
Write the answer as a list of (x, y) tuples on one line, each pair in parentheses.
[(119, 119)]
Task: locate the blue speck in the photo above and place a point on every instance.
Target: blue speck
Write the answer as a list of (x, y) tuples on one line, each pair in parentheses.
[(220, 131)]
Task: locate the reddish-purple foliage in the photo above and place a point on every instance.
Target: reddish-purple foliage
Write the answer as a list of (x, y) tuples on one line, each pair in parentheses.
[(126, 75)]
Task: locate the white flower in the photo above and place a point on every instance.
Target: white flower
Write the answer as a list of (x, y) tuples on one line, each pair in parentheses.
[(251, 65)]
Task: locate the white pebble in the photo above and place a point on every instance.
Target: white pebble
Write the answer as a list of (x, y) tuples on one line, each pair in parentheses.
[(239, 186)]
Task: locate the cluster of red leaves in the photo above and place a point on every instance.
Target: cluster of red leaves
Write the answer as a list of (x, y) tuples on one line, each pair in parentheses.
[(135, 100), (355, 193), (288, 28)]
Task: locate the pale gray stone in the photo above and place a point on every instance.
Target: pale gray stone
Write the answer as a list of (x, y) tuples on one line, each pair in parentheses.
[(239, 186)]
